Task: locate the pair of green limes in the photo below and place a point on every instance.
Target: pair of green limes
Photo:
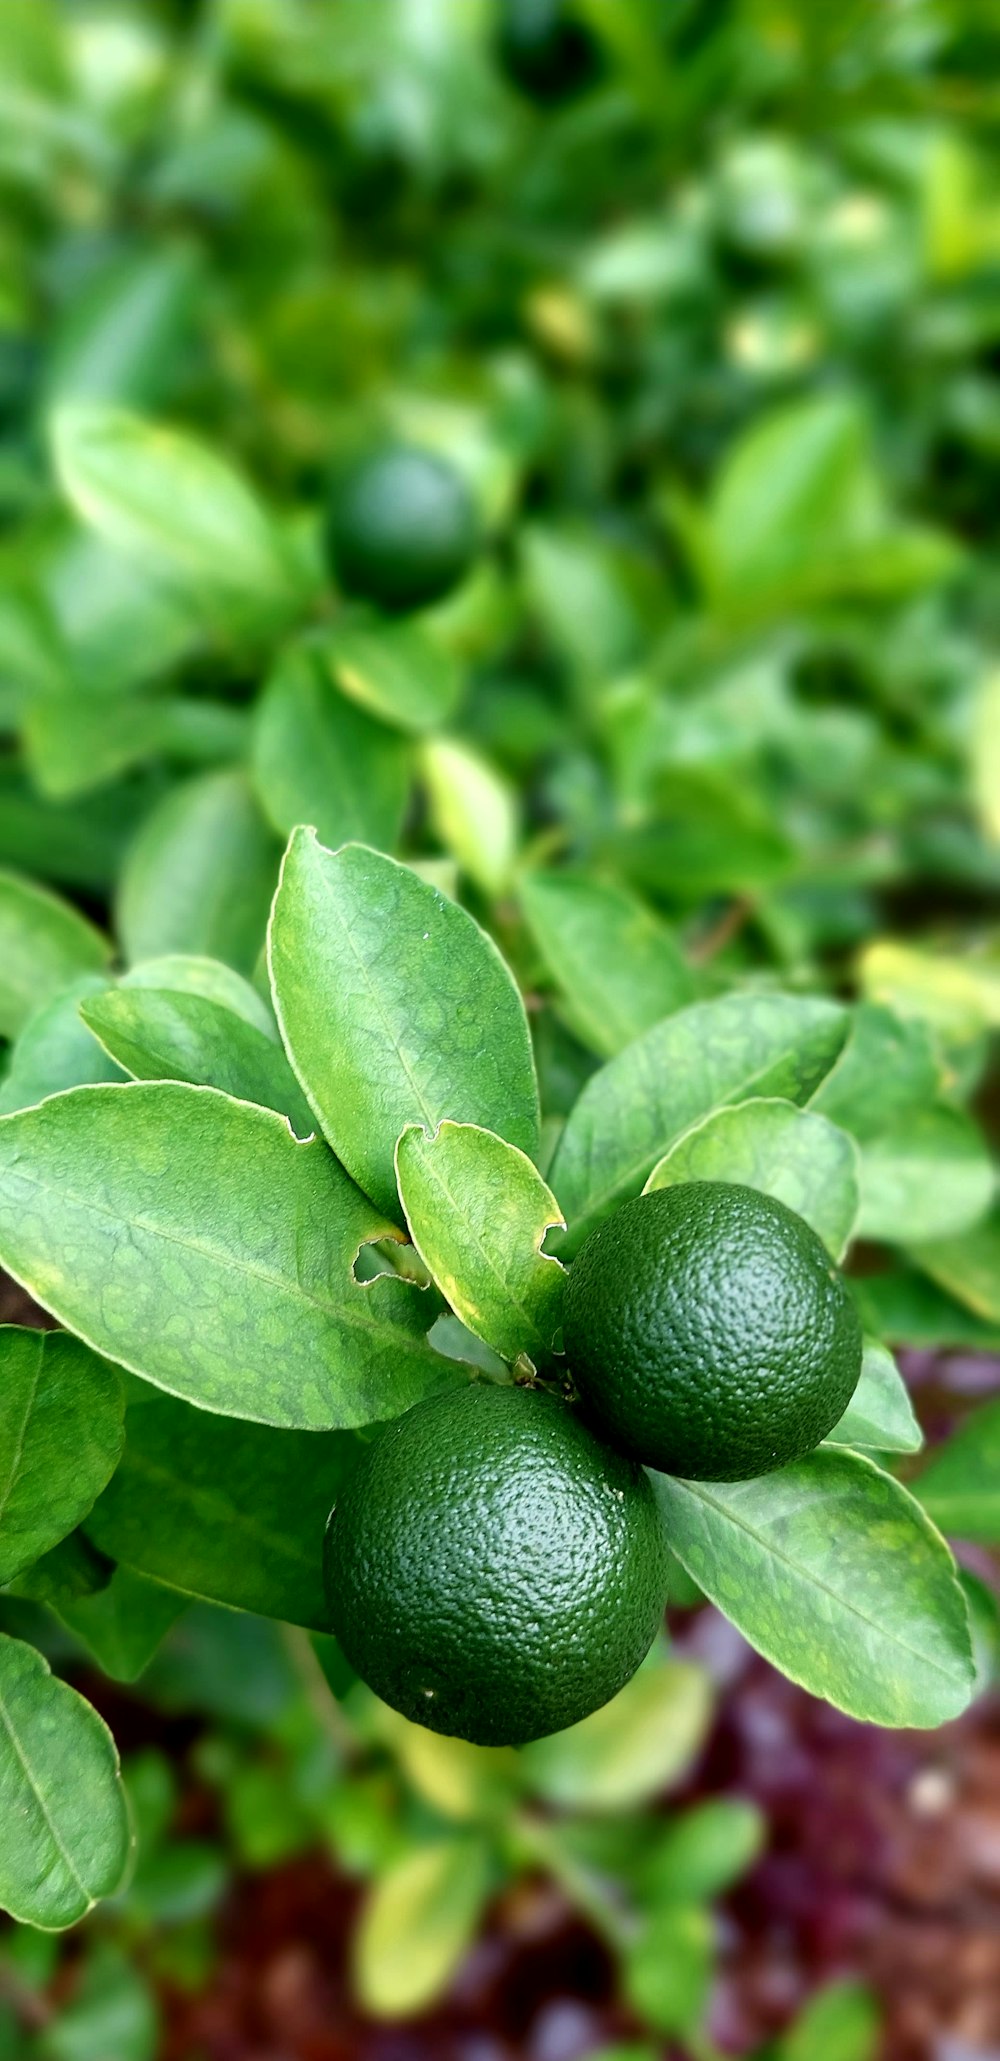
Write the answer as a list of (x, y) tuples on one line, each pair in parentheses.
[(496, 1566)]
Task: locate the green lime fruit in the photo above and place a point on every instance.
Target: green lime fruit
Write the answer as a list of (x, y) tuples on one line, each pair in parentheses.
[(401, 528), (709, 1333), (492, 1570), (545, 49)]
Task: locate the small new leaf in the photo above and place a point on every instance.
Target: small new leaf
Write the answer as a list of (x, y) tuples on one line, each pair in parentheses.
[(478, 1212)]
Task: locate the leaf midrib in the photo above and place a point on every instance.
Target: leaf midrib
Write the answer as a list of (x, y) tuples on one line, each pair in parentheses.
[(32, 1781), (699, 1495)]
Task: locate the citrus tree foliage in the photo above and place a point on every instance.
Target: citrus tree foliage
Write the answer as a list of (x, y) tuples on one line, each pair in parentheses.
[(355, 965)]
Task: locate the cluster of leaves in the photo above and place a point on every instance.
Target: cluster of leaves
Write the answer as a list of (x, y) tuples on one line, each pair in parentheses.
[(708, 740)]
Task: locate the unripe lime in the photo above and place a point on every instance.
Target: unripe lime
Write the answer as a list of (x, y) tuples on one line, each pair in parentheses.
[(492, 1570), (709, 1333), (401, 528)]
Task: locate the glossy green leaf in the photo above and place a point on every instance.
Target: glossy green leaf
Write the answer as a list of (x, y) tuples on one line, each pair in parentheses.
[(636, 1745), (880, 1413), (831, 1570), (392, 669), (123, 1623), (200, 875), (317, 759), (55, 1050), (691, 1064), (788, 1152), (163, 1035), (617, 966), (968, 1267), (929, 1178), (418, 1921), (66, 1830), (960, 1486), (187, 973), (44, 945), (888, 1068), (473, 811), (195, 1241), (60, 1439), (395, 1008), (233, 1513), (478, 1212), (906, 1306), (172, 503)]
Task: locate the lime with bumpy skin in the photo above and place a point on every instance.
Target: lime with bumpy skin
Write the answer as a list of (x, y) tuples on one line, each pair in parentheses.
[(709, 1333), (401, 528), (492, 1570)]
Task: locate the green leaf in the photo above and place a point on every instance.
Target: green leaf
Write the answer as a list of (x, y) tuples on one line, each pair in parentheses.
[(473, 812), (66, 1829), (395, 1009), (120, 340), (983, 1605), (795, 496), (700, 1853), (60, 1439), (831, 1570), (457, 1779), (576, 586), (616, 965), (880, 1413), (200, 875), (44, 945), (112, 2012), (75, 743), (123, 1623), (839, 2023), (708, 1056), (908, 1307), (968, 1267), (986, 754), (394, 670), (187, 973), (416, 1925), (319, 760), (667, 1972), (55, 1050), (233, 1513), (195, 1241), (790, 1153), (159, 1035), (478, 1212), (960, 1486), (960, 997), (888, 1068), (173, 504), (639, 1743), (929, 1178)]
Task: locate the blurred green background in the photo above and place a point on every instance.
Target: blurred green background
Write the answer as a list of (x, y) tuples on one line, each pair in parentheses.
[(702, 299)]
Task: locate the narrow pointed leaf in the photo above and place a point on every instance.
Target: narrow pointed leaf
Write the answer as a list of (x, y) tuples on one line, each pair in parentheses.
[(318, 759), (61, 1436), (195, 1241), (832, 1571), (691, 1064), (159, 1035), (66, 1829), (793, 1154), (616, 965), (395, 1009), (230, 1512), (478, 1212)]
